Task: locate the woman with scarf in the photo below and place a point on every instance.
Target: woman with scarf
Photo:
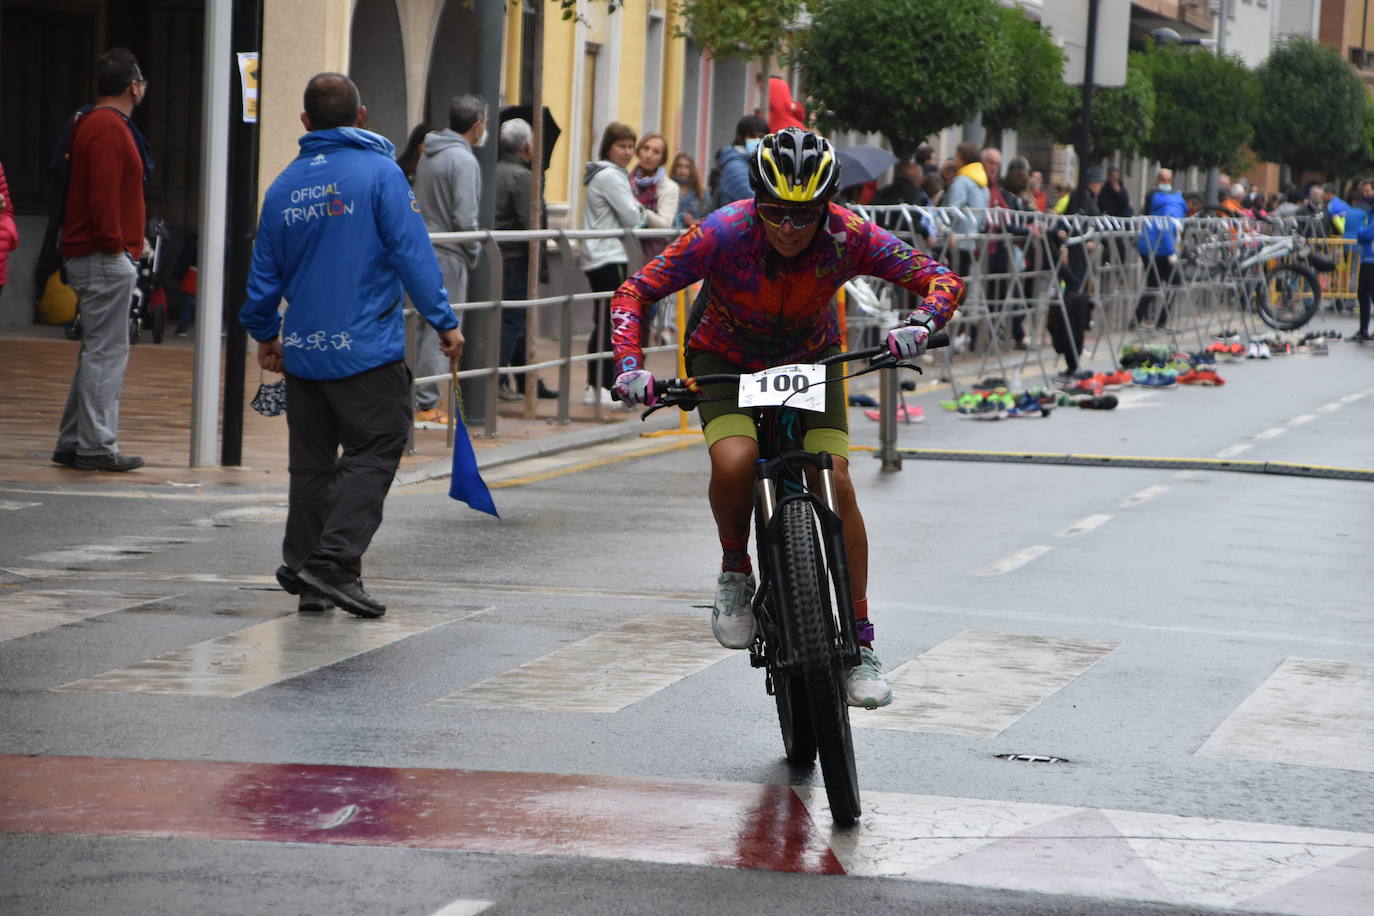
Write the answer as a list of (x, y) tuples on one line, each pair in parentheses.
[(658, 195)]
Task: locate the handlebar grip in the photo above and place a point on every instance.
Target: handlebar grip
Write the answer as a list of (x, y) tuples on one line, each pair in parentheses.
[(937, 340)]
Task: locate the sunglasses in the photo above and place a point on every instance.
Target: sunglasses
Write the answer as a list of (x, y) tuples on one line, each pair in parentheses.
[(799, 217)]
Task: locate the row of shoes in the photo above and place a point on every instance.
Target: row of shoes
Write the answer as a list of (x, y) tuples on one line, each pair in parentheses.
[(991, 400)]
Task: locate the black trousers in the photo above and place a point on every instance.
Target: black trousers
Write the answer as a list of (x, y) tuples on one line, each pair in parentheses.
[(346, 440), (1365, 292), (1067, 326), (1158, 273), (604, 279)]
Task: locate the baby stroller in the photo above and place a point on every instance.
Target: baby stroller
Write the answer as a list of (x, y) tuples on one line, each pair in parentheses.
[(148, 306)]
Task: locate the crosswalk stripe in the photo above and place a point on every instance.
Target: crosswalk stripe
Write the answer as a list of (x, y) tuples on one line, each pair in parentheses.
[(264, 654), (25, 611), (602, 673), (1271, 432), (978, 683), (1055, 849), (1232, 451), (11, 505), (1309, 712), (1302, 419), (120, 548)]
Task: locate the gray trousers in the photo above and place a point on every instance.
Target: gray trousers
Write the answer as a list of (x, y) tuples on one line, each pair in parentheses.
[(429, 359), (346, 437), (104, 286)]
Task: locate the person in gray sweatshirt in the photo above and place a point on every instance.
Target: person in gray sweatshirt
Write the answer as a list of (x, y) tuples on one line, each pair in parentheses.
[(448, 187), (609, 203)]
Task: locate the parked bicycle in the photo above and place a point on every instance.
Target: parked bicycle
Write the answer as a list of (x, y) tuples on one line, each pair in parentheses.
[(1275, 276), (806, 638)]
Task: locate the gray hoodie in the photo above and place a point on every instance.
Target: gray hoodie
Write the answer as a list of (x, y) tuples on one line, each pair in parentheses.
[(608, 204), (448, 187)]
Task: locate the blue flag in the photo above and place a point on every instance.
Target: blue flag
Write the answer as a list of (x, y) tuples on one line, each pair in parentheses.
[(465, 482)]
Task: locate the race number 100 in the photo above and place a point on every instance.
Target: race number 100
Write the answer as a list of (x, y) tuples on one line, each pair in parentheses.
[(801, 385)]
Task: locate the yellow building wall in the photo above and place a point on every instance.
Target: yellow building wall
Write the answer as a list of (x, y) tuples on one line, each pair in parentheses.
[(290, 56)]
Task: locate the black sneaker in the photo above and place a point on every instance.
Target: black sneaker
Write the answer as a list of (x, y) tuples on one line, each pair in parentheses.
[(289, 581), (107, 462), (313, 603), (348, 595), (66, 459)]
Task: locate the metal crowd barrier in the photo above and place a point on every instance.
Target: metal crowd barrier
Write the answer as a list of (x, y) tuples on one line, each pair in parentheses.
[(1030, 278)]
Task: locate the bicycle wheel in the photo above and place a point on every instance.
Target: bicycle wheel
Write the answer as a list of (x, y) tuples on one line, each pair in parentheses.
[(794, 718), (1290, 297), (807, 582)]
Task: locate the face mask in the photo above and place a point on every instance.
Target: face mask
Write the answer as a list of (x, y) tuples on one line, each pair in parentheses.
[(751, 145), (1166, 188)]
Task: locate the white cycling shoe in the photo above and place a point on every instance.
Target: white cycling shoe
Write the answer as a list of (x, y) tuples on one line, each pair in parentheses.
[(732, 615), (866, 684)]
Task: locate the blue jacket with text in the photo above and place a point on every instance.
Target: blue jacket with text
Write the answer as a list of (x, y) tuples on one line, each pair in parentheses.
[(339, 237)]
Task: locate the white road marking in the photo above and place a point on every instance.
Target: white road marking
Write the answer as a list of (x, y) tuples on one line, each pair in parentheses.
[(1131, 398), (26, 611), (1331, 407), (1310, 712), (1015, 561), (120, 548), (1085, 525), (1187, 861), (1353, 396), (11, 505), (1146, 494), (602, 673), (1185, 475), (465, 908), (255, 657), (1271, 432), (1232, 451), (1301, 419), (979, 683)]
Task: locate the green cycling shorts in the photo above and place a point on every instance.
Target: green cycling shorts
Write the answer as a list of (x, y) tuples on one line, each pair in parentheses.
[(825, 432)]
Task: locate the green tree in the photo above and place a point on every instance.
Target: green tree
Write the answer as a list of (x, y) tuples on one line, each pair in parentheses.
[(752, 29), (934, 65), (1033, 95), (1204, 107), (1313, 115), (1122, 117)]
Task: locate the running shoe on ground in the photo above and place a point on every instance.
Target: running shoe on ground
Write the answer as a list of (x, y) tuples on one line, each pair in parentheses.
[(732, 615), (1115, 379), (1201, 377), (866, 684), (905, 414)]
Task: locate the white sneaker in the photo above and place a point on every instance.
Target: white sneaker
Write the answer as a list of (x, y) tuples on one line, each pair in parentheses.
[(732, 616), (866, 684), (593, 394)]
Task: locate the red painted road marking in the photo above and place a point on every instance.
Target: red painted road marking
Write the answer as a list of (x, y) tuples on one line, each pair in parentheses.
[(678, 822)]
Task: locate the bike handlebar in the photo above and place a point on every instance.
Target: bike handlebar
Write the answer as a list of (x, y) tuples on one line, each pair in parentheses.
[(678, 391)]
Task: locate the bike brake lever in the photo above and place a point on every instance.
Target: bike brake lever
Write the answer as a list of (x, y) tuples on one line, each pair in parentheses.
[(903, 364)]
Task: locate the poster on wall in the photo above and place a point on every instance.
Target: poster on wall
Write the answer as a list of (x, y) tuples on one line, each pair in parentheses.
[(248, 81)]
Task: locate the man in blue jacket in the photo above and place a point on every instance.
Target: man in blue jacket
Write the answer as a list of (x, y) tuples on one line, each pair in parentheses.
[(1359, 225), (1158, 248), (339, 237)]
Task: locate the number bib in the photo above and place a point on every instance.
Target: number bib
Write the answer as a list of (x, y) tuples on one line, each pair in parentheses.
[(800, 385)]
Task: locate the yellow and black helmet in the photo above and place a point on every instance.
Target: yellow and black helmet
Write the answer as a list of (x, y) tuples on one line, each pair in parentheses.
[(794, 166)]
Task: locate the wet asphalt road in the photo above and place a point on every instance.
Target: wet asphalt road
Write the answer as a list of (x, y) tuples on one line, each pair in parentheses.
[(1202, 583)]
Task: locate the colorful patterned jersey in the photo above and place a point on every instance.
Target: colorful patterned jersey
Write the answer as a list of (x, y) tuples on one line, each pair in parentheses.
[(762, 310)]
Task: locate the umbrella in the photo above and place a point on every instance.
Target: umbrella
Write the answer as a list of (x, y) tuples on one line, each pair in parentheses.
[(862, 164), (551, 128)]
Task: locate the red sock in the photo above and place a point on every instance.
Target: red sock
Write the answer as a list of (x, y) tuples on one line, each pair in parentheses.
[(735, 555)]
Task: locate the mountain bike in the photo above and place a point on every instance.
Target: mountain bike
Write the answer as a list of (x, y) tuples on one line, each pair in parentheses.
[(1273, 275), (806, 638)]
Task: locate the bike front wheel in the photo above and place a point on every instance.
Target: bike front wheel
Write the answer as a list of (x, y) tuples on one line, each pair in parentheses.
[(818, 658), (1290, 297)]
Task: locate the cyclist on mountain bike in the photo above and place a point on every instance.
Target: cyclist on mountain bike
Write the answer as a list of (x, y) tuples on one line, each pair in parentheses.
[(771, 267)]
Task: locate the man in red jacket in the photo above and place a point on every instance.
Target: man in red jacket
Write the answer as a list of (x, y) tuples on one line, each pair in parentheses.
[(102, 238)]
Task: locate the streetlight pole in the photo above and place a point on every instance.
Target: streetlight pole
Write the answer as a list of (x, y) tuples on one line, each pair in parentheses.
[(1085, 137)]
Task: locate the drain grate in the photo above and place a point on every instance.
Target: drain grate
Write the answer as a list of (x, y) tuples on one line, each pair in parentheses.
[(1032, 758)]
